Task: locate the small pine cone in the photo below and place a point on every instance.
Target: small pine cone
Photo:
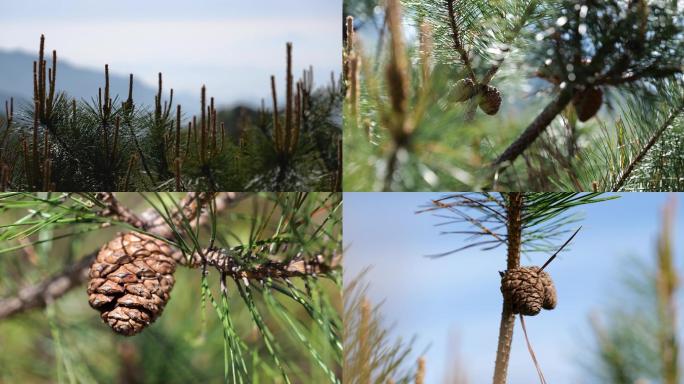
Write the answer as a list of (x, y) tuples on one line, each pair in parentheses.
[(587, 103), (130, 281), (464, 90), (528, 290), (490, 100)]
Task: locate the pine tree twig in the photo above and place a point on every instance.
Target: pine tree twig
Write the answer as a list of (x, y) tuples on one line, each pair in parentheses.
[(116, 211), (458, 43), (624, 176), (536, 128), (73, 275), (224, 261), (36, 296), (651, 72), (190, 208)]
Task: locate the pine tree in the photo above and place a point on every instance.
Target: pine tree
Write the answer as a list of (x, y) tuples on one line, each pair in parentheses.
[(522, 223), (266, 267), (110, 144), (516, 94), (370, 355)]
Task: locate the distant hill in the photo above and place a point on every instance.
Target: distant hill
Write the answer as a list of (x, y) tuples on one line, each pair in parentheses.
[(16, 80)]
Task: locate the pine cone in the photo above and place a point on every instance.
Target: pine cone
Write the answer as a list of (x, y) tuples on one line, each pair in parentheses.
[(550, 297), (528, 290), (130, 281), (464, 90), (587, 103), (490, 100)]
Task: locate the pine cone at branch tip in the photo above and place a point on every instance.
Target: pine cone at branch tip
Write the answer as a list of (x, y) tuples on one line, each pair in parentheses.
[(587, 103), (528, 290), (490, 100), (131, 281)]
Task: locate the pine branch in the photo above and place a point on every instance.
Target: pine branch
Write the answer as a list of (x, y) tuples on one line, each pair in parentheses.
[(115, 211), (227, 261), (536, 128), (625, 175), (458, 43), (75, 274), (38, 295)]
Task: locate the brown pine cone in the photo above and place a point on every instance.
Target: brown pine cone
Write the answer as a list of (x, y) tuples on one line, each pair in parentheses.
[(528, 290), (490, 100), (464, 90), (550, 297), (587, 103), (130, 281)]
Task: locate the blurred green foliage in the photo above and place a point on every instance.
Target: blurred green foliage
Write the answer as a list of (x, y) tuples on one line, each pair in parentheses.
[(631, 144)]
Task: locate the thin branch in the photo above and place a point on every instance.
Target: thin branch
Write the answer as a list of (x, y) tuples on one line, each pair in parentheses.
[(36, 296), (651, 72), (624, 176), (458, 44), (536, 128), (227, 262), (116, 211), (73, 275), (471, 220)]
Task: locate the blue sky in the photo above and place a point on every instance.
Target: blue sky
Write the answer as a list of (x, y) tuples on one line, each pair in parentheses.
[(231, 46), (453, 304)]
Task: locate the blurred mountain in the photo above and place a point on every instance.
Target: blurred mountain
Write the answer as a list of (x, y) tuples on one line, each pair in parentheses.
[(16, 80)]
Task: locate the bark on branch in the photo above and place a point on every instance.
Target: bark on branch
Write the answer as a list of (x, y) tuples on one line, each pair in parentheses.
[(514, 210), (36, 296), (225, 262)]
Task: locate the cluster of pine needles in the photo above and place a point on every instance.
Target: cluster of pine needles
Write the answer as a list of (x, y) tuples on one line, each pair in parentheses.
[(58, 143)]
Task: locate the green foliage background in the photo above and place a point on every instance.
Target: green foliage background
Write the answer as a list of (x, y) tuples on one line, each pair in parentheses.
[(453, 149)]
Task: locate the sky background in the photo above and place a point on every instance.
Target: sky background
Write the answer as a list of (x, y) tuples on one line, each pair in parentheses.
[(231, 46), (453, 304)]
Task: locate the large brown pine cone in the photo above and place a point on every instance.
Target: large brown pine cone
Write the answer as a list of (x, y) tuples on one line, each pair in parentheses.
[(528, 290), (587, 103), (130, 281)]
